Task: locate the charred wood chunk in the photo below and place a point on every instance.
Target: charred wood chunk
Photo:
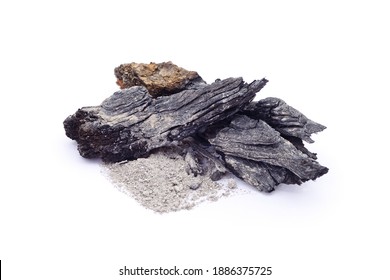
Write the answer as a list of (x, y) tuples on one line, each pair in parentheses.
[(131, 123), (256, 141), (159, 78), (284, 118)]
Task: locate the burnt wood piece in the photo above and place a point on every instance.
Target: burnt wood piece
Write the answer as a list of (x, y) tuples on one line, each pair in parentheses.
[(257, 153), (284, 118), (130, 123)]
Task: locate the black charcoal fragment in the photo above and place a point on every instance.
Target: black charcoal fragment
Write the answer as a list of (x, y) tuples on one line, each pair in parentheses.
[(256, 141), (131, 123)]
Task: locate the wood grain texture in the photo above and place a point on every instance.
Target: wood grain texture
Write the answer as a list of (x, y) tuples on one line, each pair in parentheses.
[(130, 123), (259, 155)]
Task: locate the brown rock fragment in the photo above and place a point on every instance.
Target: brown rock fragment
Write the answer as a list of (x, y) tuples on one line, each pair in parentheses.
[(159, 78)]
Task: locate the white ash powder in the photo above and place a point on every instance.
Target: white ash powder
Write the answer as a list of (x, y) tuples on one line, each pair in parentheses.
[(160, 182)]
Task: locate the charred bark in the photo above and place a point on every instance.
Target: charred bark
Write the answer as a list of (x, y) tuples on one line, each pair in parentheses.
[(131, 123), (256, 153)]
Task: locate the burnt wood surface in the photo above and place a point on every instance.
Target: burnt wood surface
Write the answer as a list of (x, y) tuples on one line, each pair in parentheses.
[(259, 155), (130, 123)]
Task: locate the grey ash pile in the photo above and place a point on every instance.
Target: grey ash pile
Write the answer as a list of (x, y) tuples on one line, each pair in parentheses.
[(217, 128), (161, 183)]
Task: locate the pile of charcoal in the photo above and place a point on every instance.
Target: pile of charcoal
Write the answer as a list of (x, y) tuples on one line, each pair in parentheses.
[(217, 128)]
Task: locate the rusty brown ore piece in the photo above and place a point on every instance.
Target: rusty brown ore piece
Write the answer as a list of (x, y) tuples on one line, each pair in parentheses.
[(158, 78)]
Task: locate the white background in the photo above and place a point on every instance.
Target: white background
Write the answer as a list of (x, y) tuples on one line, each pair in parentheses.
[(61, 219)]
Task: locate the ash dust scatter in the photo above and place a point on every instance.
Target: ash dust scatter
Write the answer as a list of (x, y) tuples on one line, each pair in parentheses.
[(160, 182)]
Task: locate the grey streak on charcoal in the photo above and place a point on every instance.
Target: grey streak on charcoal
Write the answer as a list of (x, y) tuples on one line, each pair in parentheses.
[(130, 123), (256, 141), (284, 118)]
